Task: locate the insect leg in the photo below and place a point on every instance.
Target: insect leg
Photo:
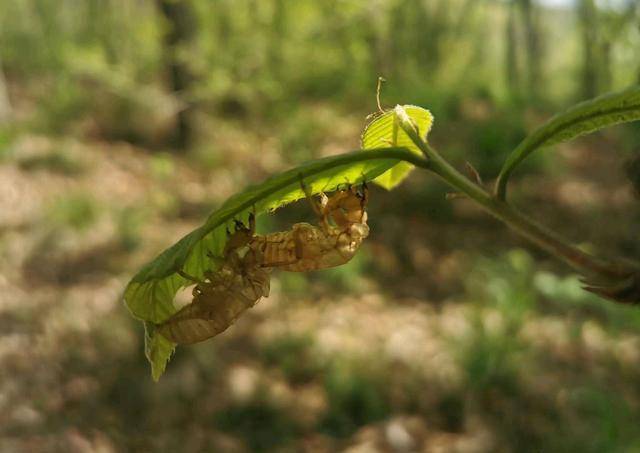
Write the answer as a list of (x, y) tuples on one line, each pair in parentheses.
[(252, 221), (364, 198), (183, 274), (320, 208)]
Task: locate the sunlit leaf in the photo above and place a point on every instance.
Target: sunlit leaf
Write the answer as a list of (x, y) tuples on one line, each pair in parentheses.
[(383, 131), (157, 349), (583, 118), (150, 294)]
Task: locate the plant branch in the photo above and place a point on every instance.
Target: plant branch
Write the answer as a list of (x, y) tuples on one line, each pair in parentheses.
[(549, 241)]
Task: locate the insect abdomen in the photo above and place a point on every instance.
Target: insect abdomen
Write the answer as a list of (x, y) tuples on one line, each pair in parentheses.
[(214, 309)]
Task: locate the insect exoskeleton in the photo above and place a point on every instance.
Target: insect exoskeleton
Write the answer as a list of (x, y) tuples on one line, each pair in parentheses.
[(346, 207), (308, 247), (225, 294)]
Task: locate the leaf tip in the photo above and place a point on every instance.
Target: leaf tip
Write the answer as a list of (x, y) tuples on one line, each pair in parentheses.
[(158, 350)]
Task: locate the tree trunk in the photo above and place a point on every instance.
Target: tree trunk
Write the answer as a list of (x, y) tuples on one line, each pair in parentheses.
[(634, 8), (5, 106), (588, 22), (278, 36), (511, 54), (606, 65), (179, 34), (534, 50)]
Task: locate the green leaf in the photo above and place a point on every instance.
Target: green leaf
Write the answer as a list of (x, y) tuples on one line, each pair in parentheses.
[(383, 131), (157, 349), (581, 119), (150, 294)]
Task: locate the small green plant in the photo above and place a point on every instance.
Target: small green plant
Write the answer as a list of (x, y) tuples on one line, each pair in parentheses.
[(260, 422), (129, 222), (77, 211), (56, 162), (357, 396), (393, 143), (294, 355)]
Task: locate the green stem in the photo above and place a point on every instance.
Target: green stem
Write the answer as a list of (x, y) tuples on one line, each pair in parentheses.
[(542, 136), (588, 264)]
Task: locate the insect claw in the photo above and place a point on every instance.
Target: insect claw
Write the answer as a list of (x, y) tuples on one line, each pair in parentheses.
[(238, 225), (316, 206), (183, 274), (252, 220), (303, 186)]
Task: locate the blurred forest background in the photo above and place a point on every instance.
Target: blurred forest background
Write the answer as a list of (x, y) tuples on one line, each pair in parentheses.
[(123, 123)]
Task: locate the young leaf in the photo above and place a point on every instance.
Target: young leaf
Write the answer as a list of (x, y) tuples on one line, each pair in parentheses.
[(150, 294), (581, 119), (383, 131)]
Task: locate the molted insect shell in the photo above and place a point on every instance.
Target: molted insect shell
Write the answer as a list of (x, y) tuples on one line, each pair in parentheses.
[(334, 249), (216, 305), (308, 247)]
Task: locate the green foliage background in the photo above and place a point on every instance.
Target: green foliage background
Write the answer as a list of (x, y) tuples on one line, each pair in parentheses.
[(444, 329)]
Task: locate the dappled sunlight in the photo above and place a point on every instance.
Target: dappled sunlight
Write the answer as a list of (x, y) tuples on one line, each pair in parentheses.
[(124, 125)]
